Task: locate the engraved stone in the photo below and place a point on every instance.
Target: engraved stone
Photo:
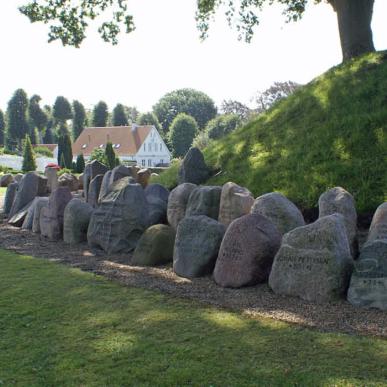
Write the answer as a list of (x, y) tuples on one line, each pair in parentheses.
[(368, 287), (280, 210), (247, 251), (42, 202), (31, 185), (314, 261), (193, 168), (121, 218), (51, 216), (197, 244), (94, 190), (204, 201), (338, 200), (177, 203), (235, 201), (157, 198), (76, 221), (92, 169), (155, 247)]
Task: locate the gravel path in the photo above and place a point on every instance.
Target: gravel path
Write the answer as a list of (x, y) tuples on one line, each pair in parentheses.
[(253, 301)]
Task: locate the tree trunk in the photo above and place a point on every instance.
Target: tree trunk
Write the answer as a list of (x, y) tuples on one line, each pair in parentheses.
[(354, 19)]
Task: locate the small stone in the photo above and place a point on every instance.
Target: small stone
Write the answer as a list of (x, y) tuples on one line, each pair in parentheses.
[(204, 201), (247, 252), (280, 210), (143, 176), (6, 180), (235, 201), (155, 246), (76, 220), (197, 244), (314, 261), (177, 203), (193, 168), (68, 180), (338, 200)]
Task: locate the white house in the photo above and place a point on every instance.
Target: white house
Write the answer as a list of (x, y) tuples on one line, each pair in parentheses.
[(140, 144)]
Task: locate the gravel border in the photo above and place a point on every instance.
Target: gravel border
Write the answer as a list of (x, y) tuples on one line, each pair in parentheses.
[(252, 301)]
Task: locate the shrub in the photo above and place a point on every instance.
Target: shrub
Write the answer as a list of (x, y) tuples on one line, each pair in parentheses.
[(80, 164), (182, 133), (222, 125), (29, 163), (43, 151), (98, 154)]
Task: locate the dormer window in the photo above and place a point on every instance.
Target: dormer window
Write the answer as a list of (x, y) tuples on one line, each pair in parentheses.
[(84, 146), (116, 146), (101, 146)]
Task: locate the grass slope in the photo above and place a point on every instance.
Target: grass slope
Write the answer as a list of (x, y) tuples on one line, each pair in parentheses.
[(331, 132), (64, 327)]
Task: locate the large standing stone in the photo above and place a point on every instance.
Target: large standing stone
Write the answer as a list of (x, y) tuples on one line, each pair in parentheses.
[(193, 168), (177, 203), (204, 201), (314, 261), (196, 247), (157, 198), (121, 218), (6, 180), (110, 177), (94, 190), (68, 180), (31, 185), (280, 210), (52, 178), (338, 200), (29, 219), (368, 287), (77, 216), (247, 252), (235, 201), (10, 197), (42, 202), (155, 247), (143, 176), (51, 216), (92, 169)]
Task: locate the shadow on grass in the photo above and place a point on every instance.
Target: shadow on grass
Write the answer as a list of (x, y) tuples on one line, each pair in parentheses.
[(66, 327)]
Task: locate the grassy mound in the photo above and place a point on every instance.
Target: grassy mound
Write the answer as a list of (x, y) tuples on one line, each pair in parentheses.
[(331, 132)]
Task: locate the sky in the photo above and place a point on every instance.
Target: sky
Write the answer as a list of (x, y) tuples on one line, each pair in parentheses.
[(165, 53)]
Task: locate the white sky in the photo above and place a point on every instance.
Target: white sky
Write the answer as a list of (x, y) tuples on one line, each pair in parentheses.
[(165, 53)]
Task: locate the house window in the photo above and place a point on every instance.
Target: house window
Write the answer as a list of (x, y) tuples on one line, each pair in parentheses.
[(84, 146), (143, 163), (149, 162), (161, 147), (161, 161), (144, 147), (149, 147)]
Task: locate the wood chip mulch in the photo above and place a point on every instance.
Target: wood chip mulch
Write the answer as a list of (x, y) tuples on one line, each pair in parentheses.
[(252, 301)]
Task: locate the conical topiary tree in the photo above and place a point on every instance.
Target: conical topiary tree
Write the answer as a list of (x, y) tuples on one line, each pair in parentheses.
[(67, 151), (110, 155), (29, 163), (80, 164)]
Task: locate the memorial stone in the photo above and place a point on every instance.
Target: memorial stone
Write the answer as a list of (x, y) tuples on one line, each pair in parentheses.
[(204, 201), (10, 197), (247, 252), (77, 216), (94, 190), (52, 178), (193, 168), (314, 261), (92, 169), (41, 202)]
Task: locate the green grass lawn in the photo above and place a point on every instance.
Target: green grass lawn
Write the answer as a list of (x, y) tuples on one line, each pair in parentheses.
[(61, 326)]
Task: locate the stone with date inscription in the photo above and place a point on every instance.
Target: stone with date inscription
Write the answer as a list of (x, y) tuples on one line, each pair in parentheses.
[(77, 216), (247, 251), (155, 246), (121, 218), (314, 261), (338, 200), (204, 201), (235, 201), (197, 244), (177, 203), (368, 287), (280, 210)]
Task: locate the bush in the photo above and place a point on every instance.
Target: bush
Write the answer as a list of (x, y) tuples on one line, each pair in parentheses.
[(169, 177), (222, 125), (110, 155), (201, 141), (80, 164), (62, 171), (43, 151), (98, 154), (182, 133), (29, 163)]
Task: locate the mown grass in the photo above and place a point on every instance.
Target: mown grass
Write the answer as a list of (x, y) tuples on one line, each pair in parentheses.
[(331, 132), (61, 326)]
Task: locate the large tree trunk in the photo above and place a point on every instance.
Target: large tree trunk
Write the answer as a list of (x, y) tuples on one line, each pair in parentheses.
[(354, 18)]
